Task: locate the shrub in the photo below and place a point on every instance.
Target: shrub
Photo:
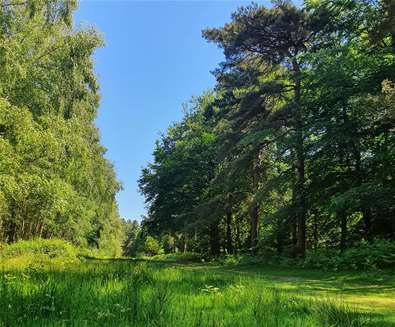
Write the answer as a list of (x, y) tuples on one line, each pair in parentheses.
[(249, 259), (50, 248), (168, 243), (178, 257), (151, 246), (90, 253), (368, 255), (230, 259)]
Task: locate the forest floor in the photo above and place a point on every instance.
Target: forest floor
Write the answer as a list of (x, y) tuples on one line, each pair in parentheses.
[(134, 293)]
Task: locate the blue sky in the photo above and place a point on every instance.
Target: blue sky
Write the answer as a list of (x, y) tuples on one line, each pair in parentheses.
[(154, 60)]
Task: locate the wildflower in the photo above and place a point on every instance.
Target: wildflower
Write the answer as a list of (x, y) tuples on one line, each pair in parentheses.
[(210, 289)]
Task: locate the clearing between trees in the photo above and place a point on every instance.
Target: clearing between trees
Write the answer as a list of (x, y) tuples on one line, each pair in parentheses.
[(127, 292)]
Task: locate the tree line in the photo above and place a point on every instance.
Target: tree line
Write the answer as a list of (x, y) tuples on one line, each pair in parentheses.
[(294, 147), (54, 179)]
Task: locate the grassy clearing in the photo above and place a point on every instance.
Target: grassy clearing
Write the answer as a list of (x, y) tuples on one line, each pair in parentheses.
[(372, 291), (128, 293)]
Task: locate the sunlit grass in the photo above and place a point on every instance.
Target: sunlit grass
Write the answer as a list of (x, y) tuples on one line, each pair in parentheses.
[(126, 293)]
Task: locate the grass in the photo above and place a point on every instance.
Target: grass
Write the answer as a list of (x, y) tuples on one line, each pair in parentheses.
[(46, 283), (130, 293)]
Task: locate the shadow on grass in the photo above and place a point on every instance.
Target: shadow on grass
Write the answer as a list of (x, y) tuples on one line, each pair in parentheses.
[(118, 293), (310, 281)]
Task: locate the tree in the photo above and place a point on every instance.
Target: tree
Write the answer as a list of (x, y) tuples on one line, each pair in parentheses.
[(132, 230), (151, 246), (302, 118), (176, 182), (55, 181), (274, 39)]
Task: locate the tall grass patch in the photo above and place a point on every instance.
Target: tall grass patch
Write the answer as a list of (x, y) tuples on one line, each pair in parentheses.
[(126, 293)]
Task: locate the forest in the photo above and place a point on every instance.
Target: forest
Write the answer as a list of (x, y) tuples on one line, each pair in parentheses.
[(293, 150), (54, 179)]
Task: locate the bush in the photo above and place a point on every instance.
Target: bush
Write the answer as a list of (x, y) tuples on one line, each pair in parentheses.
[(168, 243), (249, 259), (367, 256), (38, 252), (230, 259), (51, 248), (151, 246), (91, 253), (178, 257), (378, 254)]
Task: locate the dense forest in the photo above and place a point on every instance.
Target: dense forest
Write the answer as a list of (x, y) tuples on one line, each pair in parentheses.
[(293, 150), (54, 179)]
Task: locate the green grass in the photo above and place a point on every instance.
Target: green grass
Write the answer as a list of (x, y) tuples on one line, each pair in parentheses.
[(130, 293)]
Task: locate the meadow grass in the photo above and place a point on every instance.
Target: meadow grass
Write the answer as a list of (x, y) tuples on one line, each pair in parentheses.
[(129, 293)]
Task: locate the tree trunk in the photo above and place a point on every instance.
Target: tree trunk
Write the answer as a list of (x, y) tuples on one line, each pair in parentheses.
[(11, 232), (301, 234), (294, 234), (229, 245), (279, 236), (254, 211), (365, 209), (299, 189), (367, 222), (12, 227), (214, 239), (315, 230), (254, 221), (238, 241), (343, 232), (185, 245)]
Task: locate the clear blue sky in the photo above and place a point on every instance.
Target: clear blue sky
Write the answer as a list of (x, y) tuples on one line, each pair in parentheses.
[(154, 60)]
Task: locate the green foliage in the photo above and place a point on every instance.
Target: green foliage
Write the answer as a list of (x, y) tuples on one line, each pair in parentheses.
[(151, 246), (37, 253), (375, 255), (366, 256), (169, 243), (230, 259), (183, 165), (293, 150), (178, 257), (54, 179), (51, 248), (132, 230)]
